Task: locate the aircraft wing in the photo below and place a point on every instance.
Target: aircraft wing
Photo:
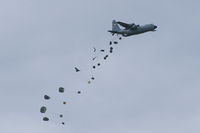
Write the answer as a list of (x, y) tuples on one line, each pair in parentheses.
[(124, 24)]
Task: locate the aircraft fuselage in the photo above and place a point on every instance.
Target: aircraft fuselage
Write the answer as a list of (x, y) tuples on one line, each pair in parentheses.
[(131, 29), (139, 30)]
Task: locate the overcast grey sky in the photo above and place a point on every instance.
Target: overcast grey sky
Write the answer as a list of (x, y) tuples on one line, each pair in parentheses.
[(150, 84)]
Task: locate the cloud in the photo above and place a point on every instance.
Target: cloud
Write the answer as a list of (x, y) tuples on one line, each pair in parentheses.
[(149, 84)]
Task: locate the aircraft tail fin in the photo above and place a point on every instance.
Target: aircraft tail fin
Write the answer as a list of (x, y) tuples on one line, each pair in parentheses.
[(115, 26)]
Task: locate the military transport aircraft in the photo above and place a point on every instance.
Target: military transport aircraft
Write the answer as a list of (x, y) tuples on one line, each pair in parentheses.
[(130, 29)]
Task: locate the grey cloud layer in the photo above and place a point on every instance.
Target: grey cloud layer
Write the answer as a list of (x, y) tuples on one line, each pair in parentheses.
[(150, 84)]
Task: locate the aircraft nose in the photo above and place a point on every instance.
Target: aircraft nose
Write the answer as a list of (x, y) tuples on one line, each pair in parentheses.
[(155, 26)]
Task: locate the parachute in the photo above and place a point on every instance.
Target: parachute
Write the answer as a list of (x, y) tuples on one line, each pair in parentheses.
[(61, 90), (61, 116), (43, 109), (115, 42), (45, 119), (94, 58), (46, 97), (105, 57), (111, 49), (94, 49)]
